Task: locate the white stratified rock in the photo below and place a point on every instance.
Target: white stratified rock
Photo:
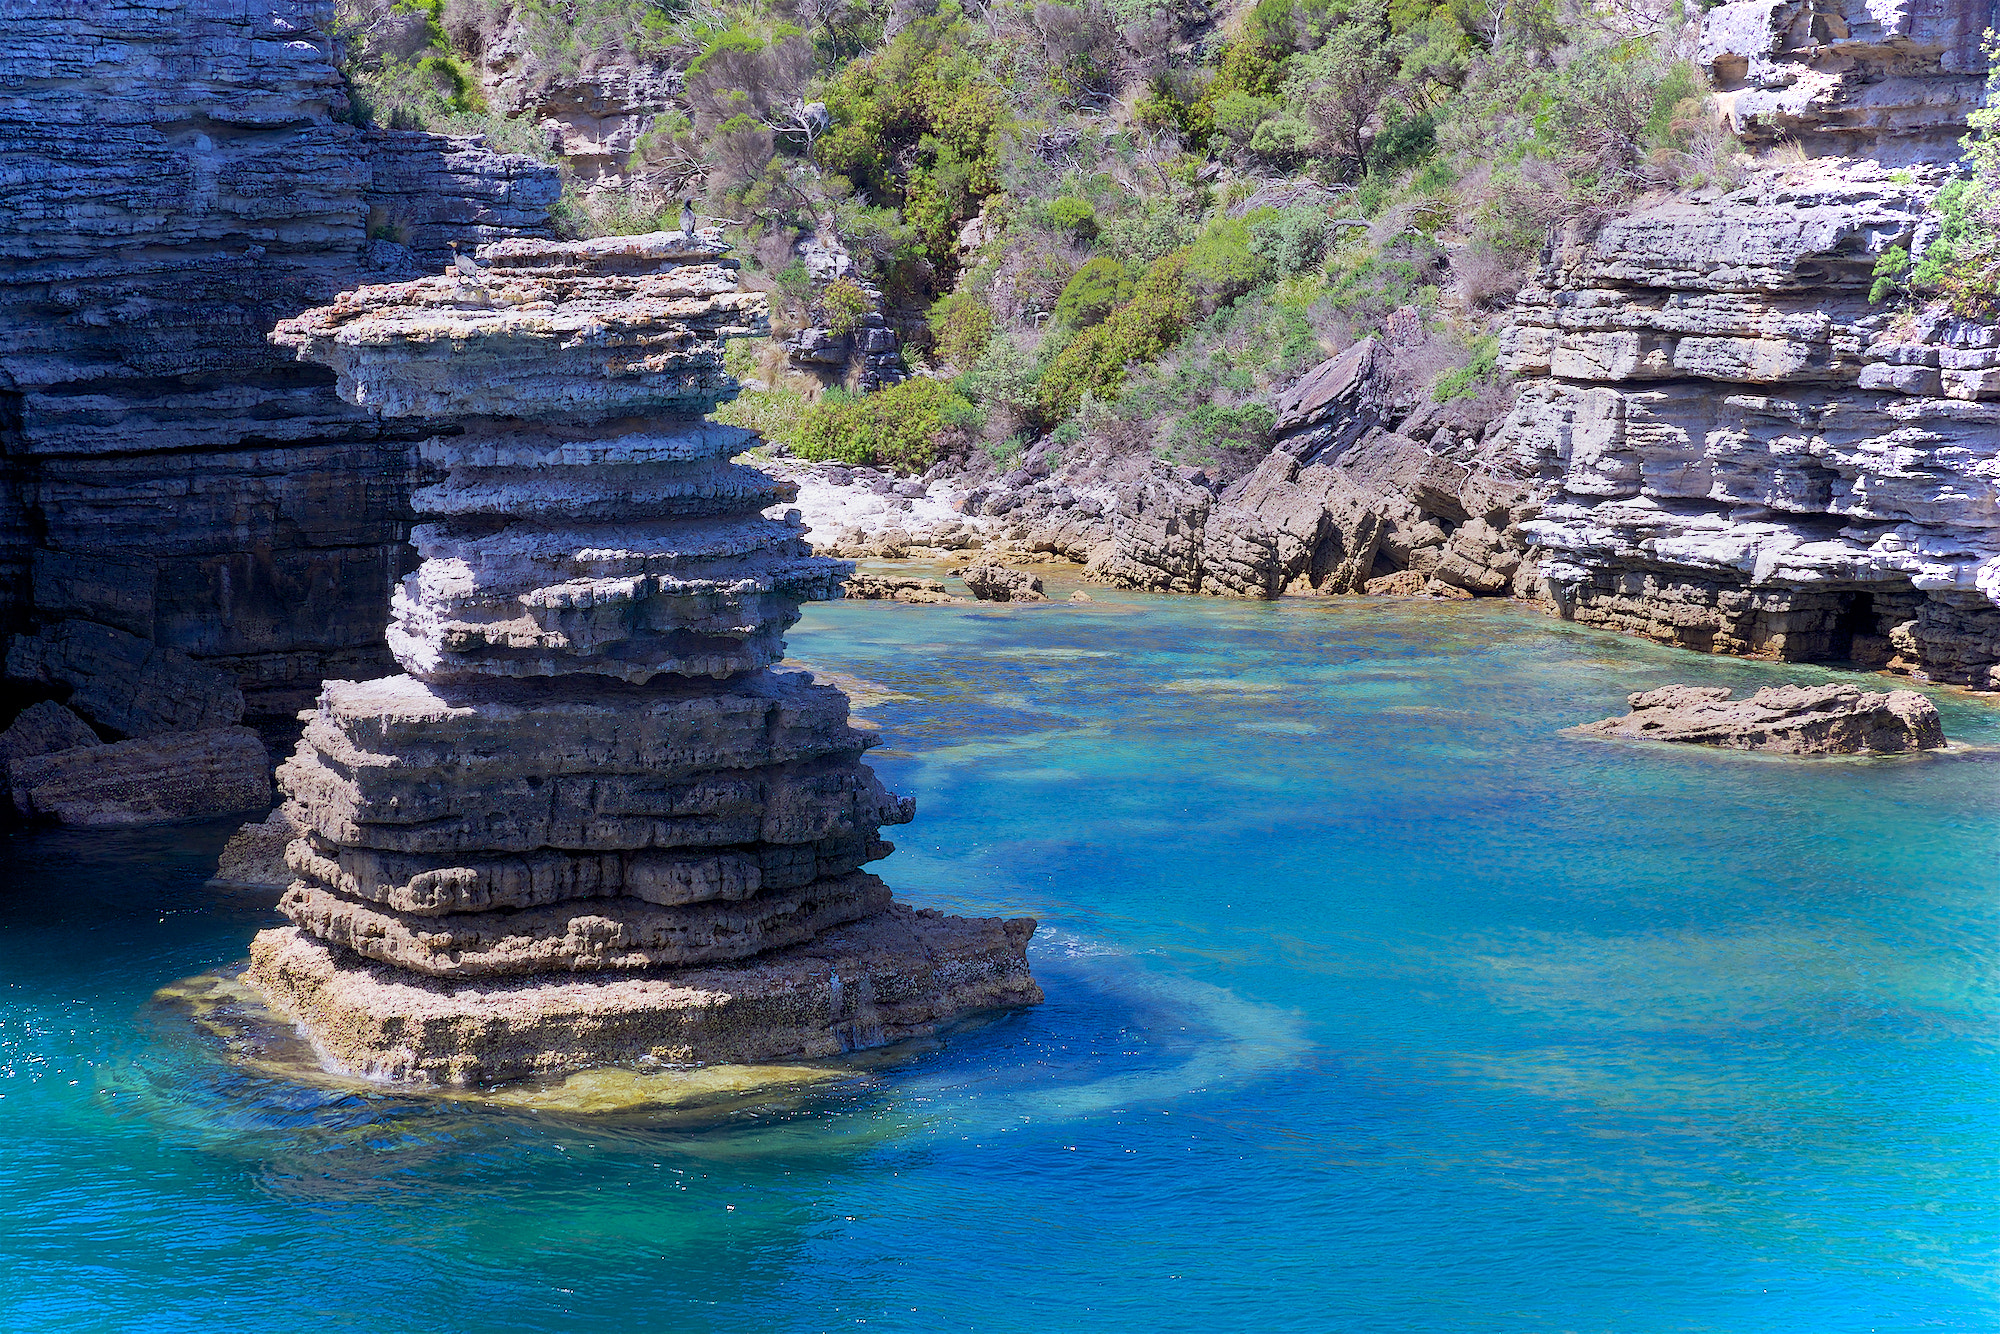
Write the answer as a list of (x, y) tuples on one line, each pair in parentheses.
[(1749, 457)]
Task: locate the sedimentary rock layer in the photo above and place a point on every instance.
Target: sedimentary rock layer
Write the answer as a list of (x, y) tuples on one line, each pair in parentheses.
[(178, 179), (590, 767), (900, 973)]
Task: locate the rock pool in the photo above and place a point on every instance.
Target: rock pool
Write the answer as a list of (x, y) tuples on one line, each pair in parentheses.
[(1374, 1003)]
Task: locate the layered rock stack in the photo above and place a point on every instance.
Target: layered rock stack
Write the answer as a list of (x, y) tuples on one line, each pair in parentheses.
[(592, 824)]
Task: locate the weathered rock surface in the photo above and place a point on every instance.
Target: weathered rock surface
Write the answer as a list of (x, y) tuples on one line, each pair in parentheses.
[(125, 683), (898, 974), (898, 588), (177, 181), (1787, 720), (1000, 583), (591, 768), (1745, 455), (254, 856), (173, 776), (1888, 79), (42, 728)]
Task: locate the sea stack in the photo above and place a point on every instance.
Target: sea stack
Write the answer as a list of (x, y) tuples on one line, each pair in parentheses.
[(592, 825)]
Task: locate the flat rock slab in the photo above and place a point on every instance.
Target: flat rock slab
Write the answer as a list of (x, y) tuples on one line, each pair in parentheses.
[(899, 974), (1785, 720), (179, 776)]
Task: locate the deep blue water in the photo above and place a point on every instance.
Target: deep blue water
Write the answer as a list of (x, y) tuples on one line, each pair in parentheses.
[(1375, 1004)]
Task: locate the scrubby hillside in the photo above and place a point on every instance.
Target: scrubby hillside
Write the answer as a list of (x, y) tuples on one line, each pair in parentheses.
[(1119, 227)]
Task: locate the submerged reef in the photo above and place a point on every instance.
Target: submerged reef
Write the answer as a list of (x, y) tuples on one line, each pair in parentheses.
[(592, 824)]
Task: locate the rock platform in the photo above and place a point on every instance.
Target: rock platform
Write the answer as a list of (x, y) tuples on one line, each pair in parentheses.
[(1834, 719), (592, 824)]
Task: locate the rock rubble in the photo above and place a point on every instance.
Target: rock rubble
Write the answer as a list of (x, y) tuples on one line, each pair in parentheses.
[(592, 824)]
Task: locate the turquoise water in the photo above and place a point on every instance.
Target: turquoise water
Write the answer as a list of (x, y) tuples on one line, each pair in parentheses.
[(1374, 1005)]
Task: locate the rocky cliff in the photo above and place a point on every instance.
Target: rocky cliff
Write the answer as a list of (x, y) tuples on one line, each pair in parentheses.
[(177, 180), (1742, 454)]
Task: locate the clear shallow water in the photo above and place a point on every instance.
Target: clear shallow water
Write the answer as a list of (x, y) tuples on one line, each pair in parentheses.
[(1374, 1005)]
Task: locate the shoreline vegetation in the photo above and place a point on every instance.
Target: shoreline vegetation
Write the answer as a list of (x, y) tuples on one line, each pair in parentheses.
[(1118, 226)]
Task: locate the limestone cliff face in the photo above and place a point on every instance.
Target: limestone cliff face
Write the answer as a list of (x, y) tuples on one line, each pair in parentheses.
[(1743, 454), (175, 183)]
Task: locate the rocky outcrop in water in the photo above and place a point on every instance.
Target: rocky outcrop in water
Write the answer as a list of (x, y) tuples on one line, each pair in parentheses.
[(1788, 720), (592, 824), (1002, 583), (179, 180)]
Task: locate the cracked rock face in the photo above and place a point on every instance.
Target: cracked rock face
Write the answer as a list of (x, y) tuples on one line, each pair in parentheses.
[(1745, 454), (1748, 457), (1788, 720), (591, 782)]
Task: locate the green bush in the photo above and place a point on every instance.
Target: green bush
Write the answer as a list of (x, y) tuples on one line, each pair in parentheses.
[(904, 427), (1962, 265), (961, 327), (773, 413), (1075, 216), (1092, 292), (845, 305), (1094, 362), (1223, 264), (1291, 240)]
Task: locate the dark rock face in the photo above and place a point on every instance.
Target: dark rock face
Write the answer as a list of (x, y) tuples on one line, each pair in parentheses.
[(178, 184)]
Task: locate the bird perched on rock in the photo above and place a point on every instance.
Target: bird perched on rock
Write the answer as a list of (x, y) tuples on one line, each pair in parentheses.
[(467, 267), (687, 217)]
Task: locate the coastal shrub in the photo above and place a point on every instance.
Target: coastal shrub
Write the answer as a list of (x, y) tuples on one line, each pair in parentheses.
[(1075, 216), (844, 305), (1889, 273), (1961, 265), (918, 125), (774, 413), (961, 327), (1291, 240), (1092, 292), (1095, 361), (906, 426)]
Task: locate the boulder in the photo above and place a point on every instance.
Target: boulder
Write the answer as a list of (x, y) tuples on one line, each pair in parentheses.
[(897, 588), (1837, 719), (998, 583), (254, 857), (178, 776), (43, 728)]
